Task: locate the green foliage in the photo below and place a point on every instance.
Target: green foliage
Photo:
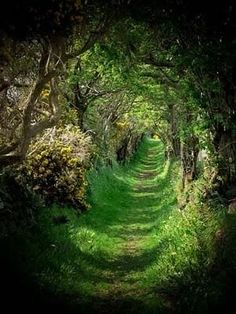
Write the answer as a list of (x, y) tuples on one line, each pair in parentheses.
[(56, 166), (169, 80)]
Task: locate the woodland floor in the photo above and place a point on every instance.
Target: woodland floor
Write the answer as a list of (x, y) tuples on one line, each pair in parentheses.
[(122, 287), (133, 251), (115, 270), (104, 261)]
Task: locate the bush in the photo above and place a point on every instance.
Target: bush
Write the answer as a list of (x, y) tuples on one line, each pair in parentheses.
[(56, 166)]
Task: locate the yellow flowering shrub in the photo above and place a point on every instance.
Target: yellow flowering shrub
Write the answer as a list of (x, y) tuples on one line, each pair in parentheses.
[(56, 166)]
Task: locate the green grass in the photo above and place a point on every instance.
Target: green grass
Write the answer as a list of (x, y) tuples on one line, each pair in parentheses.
[(134, 249)]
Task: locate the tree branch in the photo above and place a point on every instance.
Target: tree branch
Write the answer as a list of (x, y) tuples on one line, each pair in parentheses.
[(158, 63)]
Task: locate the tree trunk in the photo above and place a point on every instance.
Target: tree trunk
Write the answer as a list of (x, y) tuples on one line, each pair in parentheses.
[(80, 105), (189, 153), (174, 141), (123, 150)]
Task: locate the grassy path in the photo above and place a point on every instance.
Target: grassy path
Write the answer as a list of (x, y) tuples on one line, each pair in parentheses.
[(110, 258), (122, 230), (132, 252)]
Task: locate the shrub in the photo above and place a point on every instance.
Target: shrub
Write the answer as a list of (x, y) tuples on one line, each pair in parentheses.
[(56, 166)]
